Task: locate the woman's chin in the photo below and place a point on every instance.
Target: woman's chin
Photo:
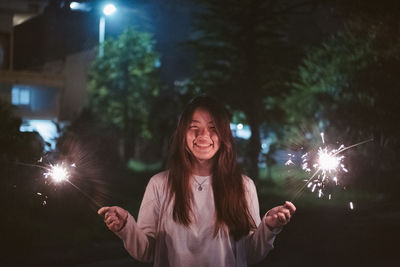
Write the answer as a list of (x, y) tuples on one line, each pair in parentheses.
[(204, 156)]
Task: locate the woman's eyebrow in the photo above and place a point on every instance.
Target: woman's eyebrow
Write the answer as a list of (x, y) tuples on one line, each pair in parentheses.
[(196, 121)]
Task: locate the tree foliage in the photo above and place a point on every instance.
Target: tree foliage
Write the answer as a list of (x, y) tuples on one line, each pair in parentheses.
[(242, 58), (124, 82), (322, 80)]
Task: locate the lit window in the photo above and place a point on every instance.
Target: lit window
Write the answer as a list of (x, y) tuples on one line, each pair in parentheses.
[(20, 96)]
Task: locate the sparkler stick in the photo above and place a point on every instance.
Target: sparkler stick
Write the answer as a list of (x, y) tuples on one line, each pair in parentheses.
[(30, 165), (297, 194), (86, 195), (348, 147)]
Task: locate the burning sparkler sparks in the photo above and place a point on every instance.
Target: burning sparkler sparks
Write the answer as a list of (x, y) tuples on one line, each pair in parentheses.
[(61, 173), (58, 173), (326, 165)]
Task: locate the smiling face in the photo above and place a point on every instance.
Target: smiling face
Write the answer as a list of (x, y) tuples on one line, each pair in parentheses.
[(201, 137)]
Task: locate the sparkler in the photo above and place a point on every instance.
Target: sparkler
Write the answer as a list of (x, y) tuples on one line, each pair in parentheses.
[(59, 173), (59, 168), (326, 166)]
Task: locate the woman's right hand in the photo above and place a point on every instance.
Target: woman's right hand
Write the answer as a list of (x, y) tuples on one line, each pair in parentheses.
[(114, 217), (279, 216)]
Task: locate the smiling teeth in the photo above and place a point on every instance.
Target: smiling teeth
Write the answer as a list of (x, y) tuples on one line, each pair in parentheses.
[(203, 145)]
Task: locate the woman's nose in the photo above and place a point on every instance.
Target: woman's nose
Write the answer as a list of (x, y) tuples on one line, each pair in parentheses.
[(204, 132)]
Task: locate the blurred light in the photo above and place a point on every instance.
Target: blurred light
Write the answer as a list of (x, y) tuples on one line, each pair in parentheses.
[(264, 146), (21, 18), (46, 128), (74, 5), (109, 9), (20, 96), (80, 6), (240, 131), (157, 63)]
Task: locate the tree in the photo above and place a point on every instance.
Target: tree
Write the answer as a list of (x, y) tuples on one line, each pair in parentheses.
[(243, 58), (324, 74), (123, 84), (350, 83)]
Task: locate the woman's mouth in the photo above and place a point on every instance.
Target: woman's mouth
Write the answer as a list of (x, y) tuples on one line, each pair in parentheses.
[(203, 145)]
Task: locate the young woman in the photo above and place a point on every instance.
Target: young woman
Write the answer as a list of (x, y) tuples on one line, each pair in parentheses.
[(202, 211)]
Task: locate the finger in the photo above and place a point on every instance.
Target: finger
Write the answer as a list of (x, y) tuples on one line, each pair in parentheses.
[(274, 218), (111, 219), (278, 219), (282, 218), (106, 216), (273, 221), (103, 210), (119, 214), (289, 205), (116, 210), (108, 221), (122, 214), (274, 210), (111, 212), (112, 226), (286, 212)]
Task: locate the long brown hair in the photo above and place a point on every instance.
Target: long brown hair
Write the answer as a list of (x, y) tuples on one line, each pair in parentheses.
[(227, 183)]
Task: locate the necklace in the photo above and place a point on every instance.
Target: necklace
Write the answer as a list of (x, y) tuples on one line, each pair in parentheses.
[(200, 188)]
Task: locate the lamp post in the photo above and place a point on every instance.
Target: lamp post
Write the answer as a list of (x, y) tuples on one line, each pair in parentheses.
[(108, 10)]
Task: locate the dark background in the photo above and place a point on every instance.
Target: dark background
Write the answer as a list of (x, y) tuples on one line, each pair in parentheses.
[(60, 226)]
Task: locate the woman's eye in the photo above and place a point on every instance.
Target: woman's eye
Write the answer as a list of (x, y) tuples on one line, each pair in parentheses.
[(193, 127)]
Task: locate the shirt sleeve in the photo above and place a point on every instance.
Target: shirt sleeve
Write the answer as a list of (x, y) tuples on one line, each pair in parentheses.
[(139, 237), (260, 241)]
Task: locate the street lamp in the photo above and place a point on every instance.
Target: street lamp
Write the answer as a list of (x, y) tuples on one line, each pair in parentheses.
[(108, 10)]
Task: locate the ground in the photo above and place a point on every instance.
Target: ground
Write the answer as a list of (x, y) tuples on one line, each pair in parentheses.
[(68, 232), (316, 236)]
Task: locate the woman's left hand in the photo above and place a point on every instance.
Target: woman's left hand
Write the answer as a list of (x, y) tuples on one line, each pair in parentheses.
[(279, 216)]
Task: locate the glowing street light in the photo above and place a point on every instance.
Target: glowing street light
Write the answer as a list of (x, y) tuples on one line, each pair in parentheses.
[(108, 10)]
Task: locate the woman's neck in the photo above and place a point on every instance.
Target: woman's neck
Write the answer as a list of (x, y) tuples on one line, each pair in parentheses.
[(202, 167)]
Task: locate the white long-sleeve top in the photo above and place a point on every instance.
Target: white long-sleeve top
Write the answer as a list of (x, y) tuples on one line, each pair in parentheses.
[(157, 237)]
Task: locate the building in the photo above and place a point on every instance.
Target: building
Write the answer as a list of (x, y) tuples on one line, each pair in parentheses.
[(35, 94), (47, 47)]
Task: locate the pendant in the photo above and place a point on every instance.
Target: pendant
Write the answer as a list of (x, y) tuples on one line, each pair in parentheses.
[(199, 188)]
